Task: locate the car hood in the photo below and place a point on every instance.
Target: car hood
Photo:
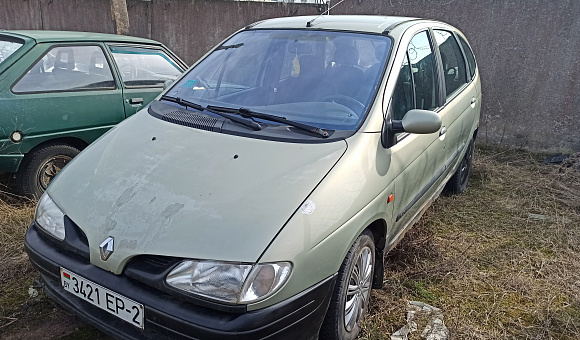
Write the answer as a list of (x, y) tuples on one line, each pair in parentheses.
[(164, 189)]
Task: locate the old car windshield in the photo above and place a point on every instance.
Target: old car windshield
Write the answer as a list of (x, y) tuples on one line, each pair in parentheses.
[(327, 79), (7, 48)]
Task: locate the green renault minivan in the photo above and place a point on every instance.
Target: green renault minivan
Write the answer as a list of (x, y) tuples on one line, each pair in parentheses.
[(59, 91), (256, 197)]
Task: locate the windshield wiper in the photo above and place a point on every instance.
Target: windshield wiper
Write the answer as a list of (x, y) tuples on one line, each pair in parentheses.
[(249, 123), (183, 102), (247, 113), (225, 47)]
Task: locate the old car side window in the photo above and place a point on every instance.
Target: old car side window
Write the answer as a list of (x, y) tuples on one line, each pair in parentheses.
[(68, 68), (8, 47), (402, 100), (422, 62), (144, 66), (469, 56), (452, 61)]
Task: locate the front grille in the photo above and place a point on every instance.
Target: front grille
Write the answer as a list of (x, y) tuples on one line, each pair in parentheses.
[(156, 261)]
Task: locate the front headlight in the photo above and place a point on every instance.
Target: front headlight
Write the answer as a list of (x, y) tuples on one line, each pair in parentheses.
[(49, 217), (229, 282)]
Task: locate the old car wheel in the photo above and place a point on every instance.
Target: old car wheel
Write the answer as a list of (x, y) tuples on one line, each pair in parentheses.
[(40, 166), (350, 298), (458, 182)]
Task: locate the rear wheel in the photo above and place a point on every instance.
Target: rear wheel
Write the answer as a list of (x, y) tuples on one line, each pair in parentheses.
[(458, 182), (40, 166), (350, 298)]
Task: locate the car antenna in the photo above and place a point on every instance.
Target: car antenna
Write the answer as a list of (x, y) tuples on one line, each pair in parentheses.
[(309, 23)]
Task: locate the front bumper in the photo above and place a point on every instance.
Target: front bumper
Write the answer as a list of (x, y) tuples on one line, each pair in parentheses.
[(168, 317)]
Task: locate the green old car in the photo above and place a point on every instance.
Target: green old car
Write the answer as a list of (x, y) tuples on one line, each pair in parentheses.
[(60, 91)]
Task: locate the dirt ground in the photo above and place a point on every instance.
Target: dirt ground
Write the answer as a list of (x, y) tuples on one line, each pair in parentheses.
[(502, 260)]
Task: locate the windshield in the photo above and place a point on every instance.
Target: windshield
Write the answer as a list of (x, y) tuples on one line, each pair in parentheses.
[(7, 48), (326, 79)]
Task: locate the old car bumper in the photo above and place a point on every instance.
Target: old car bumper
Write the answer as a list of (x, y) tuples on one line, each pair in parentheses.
[(168, 317)]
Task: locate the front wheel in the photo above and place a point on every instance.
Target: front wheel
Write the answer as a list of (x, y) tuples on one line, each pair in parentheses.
[(458, 182), (352, 291), (40, 166)]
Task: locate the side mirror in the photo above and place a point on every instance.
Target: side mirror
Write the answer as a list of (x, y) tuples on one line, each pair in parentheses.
[(414, 121), (167, 83), (418, 121)]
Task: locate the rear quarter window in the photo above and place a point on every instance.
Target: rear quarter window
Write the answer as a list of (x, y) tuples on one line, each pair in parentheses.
[(7, 48), (468, 55)]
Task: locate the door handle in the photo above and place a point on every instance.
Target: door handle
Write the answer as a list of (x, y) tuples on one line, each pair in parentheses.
[(442, 131), (473, 100), (136, 101)]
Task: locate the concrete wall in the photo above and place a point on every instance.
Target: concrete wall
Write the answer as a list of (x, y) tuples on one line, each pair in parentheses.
[(191, 28), (528, 51)]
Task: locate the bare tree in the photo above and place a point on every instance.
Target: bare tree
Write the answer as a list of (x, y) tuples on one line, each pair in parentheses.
[(121, 16)]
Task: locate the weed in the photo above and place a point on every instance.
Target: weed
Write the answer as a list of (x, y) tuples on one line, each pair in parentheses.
[(502, 260)]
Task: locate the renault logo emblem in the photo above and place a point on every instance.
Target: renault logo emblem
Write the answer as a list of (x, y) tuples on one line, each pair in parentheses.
[(106, 248)]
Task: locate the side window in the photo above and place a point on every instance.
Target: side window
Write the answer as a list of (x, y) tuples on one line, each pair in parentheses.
[(144, 66), (68, 68), (7, 48), (402, 100), (469, 56), (452, 59), (422, 62)]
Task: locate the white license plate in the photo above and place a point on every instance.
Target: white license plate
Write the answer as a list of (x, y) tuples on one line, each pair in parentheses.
[(104, 298)]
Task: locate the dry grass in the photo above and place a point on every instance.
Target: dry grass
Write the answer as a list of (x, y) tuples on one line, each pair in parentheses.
[(16, 271), (23, 316), (502, 260)]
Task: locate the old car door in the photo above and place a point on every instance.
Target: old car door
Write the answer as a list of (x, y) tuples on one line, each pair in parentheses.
[(63, 89), (418, 157), (461, 95), (143, 71)]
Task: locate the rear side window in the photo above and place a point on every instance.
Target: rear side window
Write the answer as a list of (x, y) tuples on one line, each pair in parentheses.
[(469, 56), (144, 66), (452, 60), (7, 48), (68, 68), (422, 62)]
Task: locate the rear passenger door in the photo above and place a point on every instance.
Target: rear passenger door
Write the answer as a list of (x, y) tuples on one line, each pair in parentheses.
[(67, 90), (143, 71), (459, 111)]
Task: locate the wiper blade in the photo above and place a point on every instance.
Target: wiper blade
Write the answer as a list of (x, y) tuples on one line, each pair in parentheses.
[(225, 47), (183, 102), (247, 113), (249, 123)]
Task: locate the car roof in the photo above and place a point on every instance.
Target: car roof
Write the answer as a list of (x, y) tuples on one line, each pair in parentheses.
[(63, 36), (359, 23)]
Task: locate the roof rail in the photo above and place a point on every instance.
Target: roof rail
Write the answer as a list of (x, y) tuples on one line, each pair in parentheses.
[(393, 26)]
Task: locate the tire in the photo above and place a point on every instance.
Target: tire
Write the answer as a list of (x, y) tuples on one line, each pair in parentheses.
[(458, 182), (40, 166), (339, 324)]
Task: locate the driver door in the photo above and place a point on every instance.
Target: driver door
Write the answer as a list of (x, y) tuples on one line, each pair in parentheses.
[(419, 158), (143, 70)]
